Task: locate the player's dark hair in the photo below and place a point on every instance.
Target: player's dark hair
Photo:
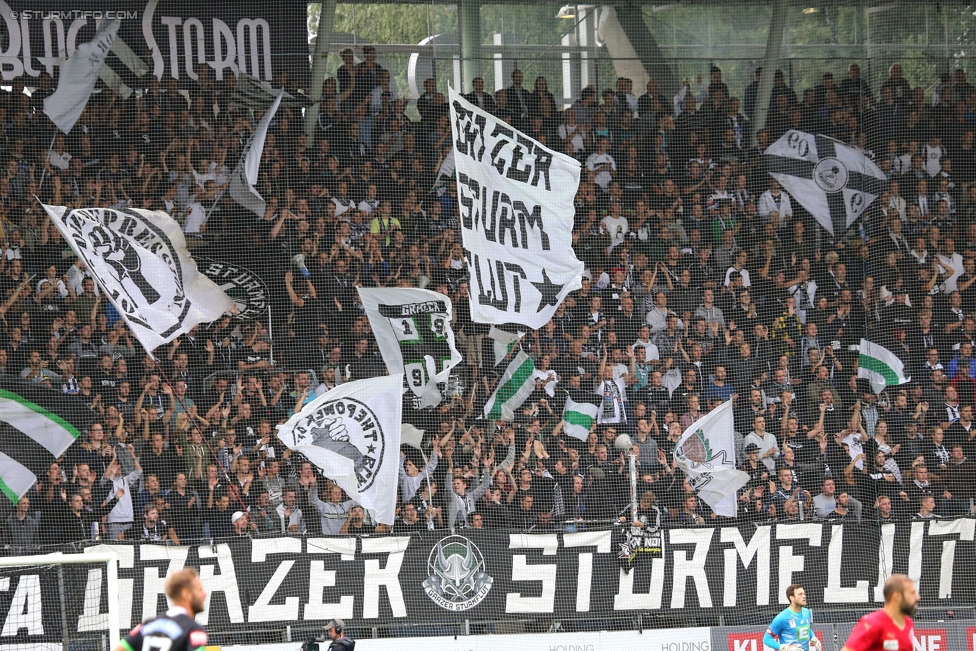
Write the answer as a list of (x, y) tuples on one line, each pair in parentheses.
[(180, 581), (791, 590)]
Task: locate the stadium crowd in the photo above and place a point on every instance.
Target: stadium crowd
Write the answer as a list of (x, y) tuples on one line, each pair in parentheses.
[(704, 283)]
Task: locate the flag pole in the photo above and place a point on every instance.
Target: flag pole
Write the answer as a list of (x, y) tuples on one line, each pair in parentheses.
[(270, 336), (40, 185), (430, 491), (633, 485)]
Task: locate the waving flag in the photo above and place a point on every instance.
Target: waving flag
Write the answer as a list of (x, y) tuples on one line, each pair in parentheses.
[(514, 387), (835, 182), (580, 412), (515, 208), (245, 176), (78, 77), (706, 454), (352, 434), (880, 366), (414, 334), (140, 260), (37, 425)]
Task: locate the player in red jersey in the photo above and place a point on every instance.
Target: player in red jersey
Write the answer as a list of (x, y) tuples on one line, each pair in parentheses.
[(888, 629)]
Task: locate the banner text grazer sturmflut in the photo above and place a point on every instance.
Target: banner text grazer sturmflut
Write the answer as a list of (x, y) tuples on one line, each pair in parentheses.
[(516, 213), (388, 579)]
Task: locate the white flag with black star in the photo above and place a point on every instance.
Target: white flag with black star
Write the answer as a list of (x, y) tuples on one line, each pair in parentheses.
[(835, 182), (515, 198)]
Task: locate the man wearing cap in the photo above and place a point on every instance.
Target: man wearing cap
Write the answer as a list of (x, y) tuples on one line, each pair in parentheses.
[(336, 629), (241, 523)]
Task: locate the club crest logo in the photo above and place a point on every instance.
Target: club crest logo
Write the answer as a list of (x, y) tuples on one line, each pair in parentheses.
[(349, 428), (456, 577), (697, 451), (244, 287), (134, 261), (830, 175)]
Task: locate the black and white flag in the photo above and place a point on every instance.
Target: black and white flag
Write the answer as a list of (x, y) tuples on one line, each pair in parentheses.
[(352, 434), (140, 260), (245, 287), (251, 93), (835, 182), (78, 77), (516, 209), (245, 175), (414, 334)]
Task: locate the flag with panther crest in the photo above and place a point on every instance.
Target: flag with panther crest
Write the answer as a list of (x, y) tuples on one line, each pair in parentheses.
[(835, 182), (706, 454)]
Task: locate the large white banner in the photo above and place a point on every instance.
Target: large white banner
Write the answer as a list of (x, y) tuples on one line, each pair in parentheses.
[(140, 260), (516, 208), (413, 331), (352, 434)]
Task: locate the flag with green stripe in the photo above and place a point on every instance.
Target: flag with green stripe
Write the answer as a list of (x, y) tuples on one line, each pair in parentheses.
[(580, 413), (880, 366), (37, 425), (503, 341), (514, 387)]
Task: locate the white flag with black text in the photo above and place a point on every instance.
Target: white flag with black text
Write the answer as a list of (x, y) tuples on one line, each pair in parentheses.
[(352, 434), (140, 260), (835, 182), (414, 334), (78, 77), (516, 212)]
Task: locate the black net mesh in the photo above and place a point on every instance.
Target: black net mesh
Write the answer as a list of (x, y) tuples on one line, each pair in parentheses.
[(705, 281)]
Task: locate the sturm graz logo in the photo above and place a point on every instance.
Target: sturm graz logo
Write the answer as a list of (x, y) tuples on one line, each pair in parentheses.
[(697, 451), (244, 287), (456, 577), (349, 428), (131, 256), (830, 175)]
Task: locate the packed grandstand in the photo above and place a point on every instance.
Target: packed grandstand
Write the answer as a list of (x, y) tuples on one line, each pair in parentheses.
[(705, 282)]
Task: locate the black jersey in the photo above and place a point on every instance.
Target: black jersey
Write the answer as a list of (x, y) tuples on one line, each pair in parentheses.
[(342, 644), (172, 631)]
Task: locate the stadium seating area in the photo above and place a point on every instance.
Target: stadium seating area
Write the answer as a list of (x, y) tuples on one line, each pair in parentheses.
[(705, 282)]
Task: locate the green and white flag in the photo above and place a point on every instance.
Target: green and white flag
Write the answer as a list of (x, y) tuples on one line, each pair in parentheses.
[(37, 425), (880, 366), (503, 341), (706, 454), (514, 387), (580, 413)]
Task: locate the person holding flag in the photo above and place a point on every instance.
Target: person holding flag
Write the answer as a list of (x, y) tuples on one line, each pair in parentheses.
[(705, 452), (792, 629)]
